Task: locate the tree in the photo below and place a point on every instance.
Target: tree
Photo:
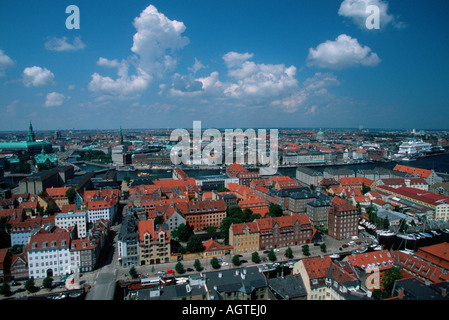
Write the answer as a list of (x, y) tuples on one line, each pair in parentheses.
[(158, 220), (127, 180), (305, 250), (214, 263), (197, 265), (182, 232), (389, 278), (275, 210), (236, 260), (180, 268), (271, 255), (133, 272), (255, 257), (323, 247), (5, 289), (70, 195), (48, 282), (289, 253), (194, 244), (30, 286)]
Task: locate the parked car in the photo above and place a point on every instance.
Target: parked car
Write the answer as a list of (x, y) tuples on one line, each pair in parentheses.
[(170, 271)]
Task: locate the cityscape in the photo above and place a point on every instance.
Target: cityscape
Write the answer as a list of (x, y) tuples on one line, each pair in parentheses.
[(211, 152)]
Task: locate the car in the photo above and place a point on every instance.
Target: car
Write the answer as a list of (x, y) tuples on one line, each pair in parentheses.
[(161, 272), (170, 271), (276, 250), (189, 269), (358, 242), (224, 263), (345, 245)]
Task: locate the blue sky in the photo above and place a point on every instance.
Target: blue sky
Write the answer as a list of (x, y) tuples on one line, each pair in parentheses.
[(236, 64)]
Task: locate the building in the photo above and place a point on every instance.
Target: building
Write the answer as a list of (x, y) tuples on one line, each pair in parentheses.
[(22, 230), (308, 176), (40, 181), (48, 254), (29, 147), (60, 198), (429, 175), (246, 283), (214, 249), (202, 214), (128, 242), (154, 243), (65, 220), (287, 288), (244, 237), (318, 211), (326, 280), (270, 233), (343, 219)]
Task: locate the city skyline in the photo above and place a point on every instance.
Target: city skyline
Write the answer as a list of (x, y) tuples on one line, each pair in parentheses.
[(247, 64)]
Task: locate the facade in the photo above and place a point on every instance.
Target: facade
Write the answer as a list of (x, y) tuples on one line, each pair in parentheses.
[(100, 209), (201, 214), (343, 220), (318, 211), (309, 176), (244, 237), (154, 243), (270, 233), (21, 231), (65, 220), (128, 242), (48, 254)]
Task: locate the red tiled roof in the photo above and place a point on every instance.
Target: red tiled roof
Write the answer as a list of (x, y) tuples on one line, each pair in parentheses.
[(424, 173)]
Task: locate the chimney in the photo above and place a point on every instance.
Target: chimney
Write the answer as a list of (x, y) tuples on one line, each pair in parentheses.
[(443, 292), (401, 293)]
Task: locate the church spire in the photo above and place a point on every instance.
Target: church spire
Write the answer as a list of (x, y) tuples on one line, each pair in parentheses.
[(121, 135), (31, 133)]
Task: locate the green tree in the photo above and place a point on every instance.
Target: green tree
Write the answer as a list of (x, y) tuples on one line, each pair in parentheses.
[(5, 289), (194, 244), (197, 265), (30, 285), (275, 210), (182, 232), (133, 272), (323, 247), (70, 195), (214, 263), (127, 180), (289, 253), (389, 278), (236, 260), (158, 220), (180, 268), (255, 257), (306, 250), (271, 255), (47, 282)]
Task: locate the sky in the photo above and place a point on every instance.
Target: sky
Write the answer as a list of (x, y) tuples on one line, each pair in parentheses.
[(226, 63)]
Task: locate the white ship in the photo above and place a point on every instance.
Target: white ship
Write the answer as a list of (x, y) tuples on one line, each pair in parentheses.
[(413, 147)]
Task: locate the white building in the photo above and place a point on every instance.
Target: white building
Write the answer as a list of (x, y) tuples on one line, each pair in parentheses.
[(100, 209), (69, 219), (48, 254)]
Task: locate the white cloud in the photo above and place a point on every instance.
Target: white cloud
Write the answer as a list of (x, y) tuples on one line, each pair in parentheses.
[(235, 59), (37, 77), (54, 99), (124, 87), (5, 62), (356, 10), (197, 66), (61, 44), (154, 45), (156, 40), (311, 95), (342, 53)]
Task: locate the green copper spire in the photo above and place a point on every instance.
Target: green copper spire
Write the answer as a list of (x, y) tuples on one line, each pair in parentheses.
[(31, 133), (121, 135)]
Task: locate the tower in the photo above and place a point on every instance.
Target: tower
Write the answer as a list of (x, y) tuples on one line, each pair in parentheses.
[(31, 133), (121, 134)]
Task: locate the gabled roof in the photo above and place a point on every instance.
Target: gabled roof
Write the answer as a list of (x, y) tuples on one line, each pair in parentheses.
[(424, 173)]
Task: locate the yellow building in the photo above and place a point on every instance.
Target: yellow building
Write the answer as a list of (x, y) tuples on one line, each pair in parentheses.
[(244, 237)]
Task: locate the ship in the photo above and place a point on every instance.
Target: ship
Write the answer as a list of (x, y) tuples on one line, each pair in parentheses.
[(412, 148)]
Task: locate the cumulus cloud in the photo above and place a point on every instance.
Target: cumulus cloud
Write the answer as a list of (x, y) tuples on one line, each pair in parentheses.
[(36, 77), (356, 10), (342, 53), (54, 99), (156, 41), (124, 87), (5, 62), (61, 44), (310, 95), (154, 46)]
